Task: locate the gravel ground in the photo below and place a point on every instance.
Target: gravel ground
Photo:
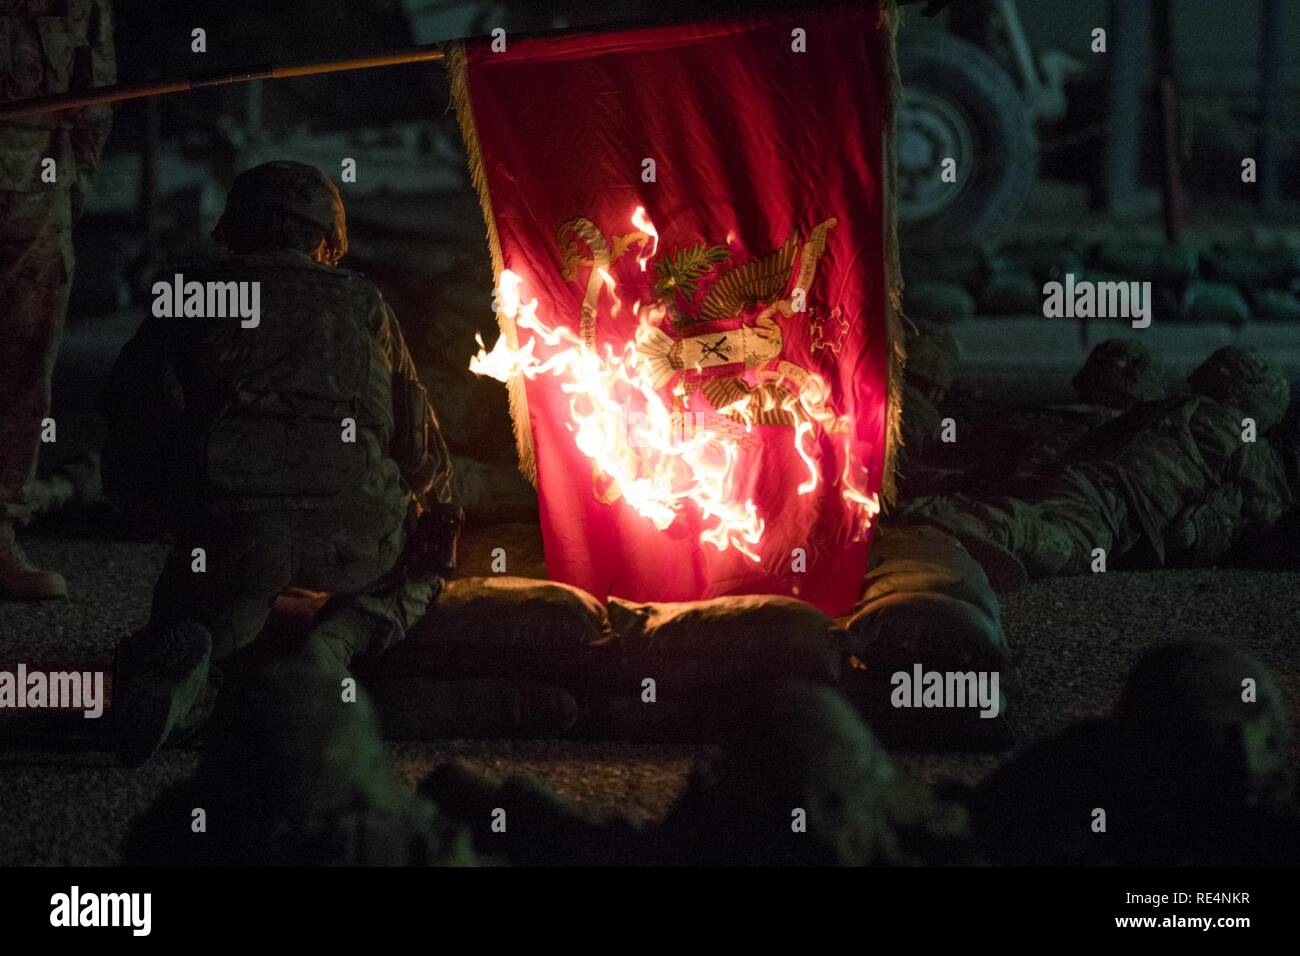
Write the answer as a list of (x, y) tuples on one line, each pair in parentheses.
[(1074, 639)]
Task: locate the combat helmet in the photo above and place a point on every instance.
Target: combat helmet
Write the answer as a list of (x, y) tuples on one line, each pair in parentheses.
[(294, 191), (1119, 373), (1218, 717), (1245, 379), (298, 769)]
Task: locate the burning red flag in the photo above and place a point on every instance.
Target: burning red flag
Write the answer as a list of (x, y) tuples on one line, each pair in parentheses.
[(689, 231)]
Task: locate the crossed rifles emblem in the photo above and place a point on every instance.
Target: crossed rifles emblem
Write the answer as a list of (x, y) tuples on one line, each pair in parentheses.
[(761, 282)]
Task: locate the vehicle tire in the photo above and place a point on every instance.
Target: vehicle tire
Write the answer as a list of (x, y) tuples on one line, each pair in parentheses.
[(958, 102)]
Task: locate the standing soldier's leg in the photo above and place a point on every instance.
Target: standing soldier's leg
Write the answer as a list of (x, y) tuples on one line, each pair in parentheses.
[(35, 276)]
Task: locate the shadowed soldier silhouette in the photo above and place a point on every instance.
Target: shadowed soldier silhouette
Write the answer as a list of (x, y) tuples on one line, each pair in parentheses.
[(294, 775), (296, 450)]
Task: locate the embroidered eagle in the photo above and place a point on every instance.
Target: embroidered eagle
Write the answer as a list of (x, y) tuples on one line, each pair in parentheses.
[(758, 283)]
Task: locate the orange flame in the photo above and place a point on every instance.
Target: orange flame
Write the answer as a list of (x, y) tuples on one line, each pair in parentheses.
[(657, 457), (608, 279), (620, 422), (814, 473), (866, 505), (642, 222)]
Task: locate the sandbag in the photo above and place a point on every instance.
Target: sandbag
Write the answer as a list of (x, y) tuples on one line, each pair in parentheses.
[(1214, 302), (503, 626), (1275, 304), (1172, 263), (693, 646), (919, 559), (926, 602), (1251, 267)]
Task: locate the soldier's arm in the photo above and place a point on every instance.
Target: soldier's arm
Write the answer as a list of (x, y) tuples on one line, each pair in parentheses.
[(1260, 471), (91, 130), (1254, 494), (417, 445), (1204, 532)]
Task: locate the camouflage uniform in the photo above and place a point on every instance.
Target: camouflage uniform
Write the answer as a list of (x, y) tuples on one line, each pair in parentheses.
[(1118, 374), (238, 433), (1014, 446), (46, 47), (1172, 477)]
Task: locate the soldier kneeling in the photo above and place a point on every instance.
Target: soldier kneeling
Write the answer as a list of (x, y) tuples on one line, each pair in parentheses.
[(297, 450)]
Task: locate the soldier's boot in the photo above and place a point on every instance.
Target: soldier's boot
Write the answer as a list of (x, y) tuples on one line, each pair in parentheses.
[(980, 537), (160, 678), (20, 580)]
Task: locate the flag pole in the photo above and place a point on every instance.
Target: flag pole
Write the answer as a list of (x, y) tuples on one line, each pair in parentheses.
[(134, 91)]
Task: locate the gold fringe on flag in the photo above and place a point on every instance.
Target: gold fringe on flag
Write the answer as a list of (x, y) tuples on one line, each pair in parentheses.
[(889, 21), (458, 72), (461, 101)]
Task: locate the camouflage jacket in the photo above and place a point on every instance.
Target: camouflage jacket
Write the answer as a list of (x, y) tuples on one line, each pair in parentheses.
[(49, 47), (318, 405), (1004, 449), (1191, 482), (1045, 436)]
